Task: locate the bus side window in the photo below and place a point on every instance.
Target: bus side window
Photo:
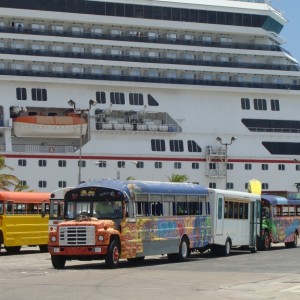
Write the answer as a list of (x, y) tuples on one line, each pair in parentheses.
[(292, 210), (279, 210), (298, 210), (9, 208), (47, 208), (156, 208), (207, 208), (226, 210), (1, 208)]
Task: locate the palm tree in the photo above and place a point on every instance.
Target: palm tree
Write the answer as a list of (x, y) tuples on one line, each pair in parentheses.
[(6, 180), (178, 178), (19, 187)]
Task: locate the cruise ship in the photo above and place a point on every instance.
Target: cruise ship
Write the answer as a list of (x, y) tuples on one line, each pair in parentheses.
[(146, 89)]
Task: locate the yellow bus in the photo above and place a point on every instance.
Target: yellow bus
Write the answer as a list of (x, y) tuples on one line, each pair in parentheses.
[(24, 220)]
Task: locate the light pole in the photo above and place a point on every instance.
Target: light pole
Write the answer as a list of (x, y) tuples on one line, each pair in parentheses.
[(226, 154), (118, 171), (82, 111)]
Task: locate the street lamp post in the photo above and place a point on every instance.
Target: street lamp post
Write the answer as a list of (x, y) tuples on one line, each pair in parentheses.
[(117, 170), (82, 111), (226, 154)]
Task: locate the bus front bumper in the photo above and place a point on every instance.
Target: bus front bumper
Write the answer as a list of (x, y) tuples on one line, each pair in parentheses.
[(74, 251)]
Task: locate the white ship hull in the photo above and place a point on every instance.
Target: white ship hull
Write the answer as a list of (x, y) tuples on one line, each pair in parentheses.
[(175, 128)]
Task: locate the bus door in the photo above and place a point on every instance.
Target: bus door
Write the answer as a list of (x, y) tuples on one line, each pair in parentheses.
[(255, 221), (219, 214)]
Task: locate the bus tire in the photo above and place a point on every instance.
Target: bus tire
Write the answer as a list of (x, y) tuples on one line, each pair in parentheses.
[(226, 248), (184, 249), (43, 248), (58, 261), (13, 250), (113, 255)]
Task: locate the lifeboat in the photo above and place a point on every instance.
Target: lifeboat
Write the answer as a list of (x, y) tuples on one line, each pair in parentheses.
[(49, 126)]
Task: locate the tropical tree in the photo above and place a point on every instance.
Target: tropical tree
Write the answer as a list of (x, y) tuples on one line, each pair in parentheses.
[(178, 178), (19, 187), (7, 181)]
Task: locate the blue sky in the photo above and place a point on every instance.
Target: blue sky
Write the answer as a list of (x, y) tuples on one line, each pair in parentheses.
[(291, 10)]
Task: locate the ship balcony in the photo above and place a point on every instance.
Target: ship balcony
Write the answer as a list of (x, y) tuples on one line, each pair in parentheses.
[(137, 121), (147, 59), (144, 38)]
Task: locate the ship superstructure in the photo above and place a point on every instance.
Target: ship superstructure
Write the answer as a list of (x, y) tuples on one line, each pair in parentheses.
[(187, 87)]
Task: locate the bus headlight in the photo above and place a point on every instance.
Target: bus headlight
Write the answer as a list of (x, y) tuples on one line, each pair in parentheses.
[(53, 238), (100, 238)]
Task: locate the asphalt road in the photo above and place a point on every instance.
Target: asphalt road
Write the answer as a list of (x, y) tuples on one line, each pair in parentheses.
[(273, 274)]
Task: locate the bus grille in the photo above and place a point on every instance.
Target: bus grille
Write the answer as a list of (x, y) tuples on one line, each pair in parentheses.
[(76, 235)]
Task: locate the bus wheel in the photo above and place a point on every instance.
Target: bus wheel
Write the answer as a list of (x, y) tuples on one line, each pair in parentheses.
[(266, 243), (58, 261), (13, 250), (113, 255), (226, 248), (43, 248), (184, 250)]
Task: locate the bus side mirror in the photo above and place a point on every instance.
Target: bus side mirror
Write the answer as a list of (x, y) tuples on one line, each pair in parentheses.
[(43, 214)]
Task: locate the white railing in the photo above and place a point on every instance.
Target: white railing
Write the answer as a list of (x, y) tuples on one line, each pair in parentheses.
[(43, 149)]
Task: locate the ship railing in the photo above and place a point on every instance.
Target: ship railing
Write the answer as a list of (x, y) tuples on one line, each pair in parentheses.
[(43, 149), (280, 130), (148, 126), (180, 61), (215, 151), (141, 38), (220, 83), (215, 173)]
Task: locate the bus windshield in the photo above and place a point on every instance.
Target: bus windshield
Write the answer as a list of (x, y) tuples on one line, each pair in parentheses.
[(104, 209)]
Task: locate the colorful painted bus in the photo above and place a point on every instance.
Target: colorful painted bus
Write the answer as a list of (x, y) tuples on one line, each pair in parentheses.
[(57, 207), (114, 219), (280, 220), (23, 222), (235, 221)]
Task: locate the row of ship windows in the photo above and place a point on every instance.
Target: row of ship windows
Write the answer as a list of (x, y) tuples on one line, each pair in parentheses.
[(157, 165), (260, 104), (150, 12), (39, 94), (247, 166), (62, 184)]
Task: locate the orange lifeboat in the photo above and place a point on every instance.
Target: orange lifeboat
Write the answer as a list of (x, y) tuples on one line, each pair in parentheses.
[(49, 126)]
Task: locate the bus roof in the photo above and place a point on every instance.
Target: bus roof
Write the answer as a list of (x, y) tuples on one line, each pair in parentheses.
[(147, 187), (235, 194), (275, 199), (24, 197), (59, 193)]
